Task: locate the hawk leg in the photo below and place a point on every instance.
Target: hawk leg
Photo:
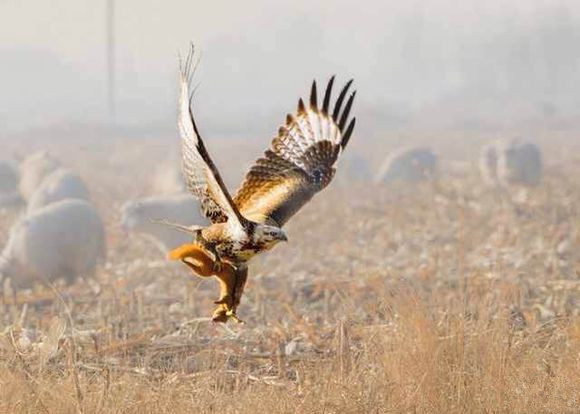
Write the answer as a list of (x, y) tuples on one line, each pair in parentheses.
[(217, 263), (232, 285), (241, 278), (227, 280)]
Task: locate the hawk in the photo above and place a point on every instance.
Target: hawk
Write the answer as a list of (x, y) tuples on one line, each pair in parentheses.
[(300, 162)]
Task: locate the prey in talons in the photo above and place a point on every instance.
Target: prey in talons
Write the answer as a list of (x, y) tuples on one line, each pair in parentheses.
[(231, 279)]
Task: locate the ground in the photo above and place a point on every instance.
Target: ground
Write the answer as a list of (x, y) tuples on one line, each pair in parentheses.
[(443, 297)]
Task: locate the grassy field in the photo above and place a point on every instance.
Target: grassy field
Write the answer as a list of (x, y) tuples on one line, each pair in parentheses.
[(439, 298)]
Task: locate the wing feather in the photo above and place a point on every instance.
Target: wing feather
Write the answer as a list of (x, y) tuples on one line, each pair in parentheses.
[(201, 175), (301, 160)]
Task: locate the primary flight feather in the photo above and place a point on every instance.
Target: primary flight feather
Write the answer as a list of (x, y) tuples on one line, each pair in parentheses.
[(300, 162)]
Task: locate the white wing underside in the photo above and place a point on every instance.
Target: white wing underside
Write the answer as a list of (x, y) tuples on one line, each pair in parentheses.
[(200, 174), (300, 162), (306, 129)]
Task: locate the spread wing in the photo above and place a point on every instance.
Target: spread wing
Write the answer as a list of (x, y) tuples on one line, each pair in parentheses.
[(201, 175), (301, 160)]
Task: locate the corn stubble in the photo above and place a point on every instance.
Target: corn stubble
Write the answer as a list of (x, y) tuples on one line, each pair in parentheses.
[(443, 297)]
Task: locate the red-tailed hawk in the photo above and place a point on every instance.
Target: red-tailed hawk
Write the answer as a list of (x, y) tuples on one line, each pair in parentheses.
[(300, 162)]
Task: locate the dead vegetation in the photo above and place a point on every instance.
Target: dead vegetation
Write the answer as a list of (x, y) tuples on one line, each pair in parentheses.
[(439, 298)]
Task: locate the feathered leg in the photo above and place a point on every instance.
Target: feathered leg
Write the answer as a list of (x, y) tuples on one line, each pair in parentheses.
[(241, 278), (232, 283), (217, 262)]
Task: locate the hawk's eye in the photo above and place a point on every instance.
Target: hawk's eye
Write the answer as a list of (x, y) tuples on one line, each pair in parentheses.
[(317, 176)]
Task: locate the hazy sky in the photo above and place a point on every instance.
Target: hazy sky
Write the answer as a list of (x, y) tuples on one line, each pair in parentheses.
[(258, 56)]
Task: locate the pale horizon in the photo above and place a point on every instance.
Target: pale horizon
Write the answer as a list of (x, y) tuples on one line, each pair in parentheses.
[(438, 59)]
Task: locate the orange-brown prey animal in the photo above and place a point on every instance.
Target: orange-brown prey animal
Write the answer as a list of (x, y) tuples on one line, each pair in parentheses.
[(300, 162)]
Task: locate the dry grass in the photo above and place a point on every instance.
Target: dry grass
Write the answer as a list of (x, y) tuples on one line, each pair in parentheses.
[(440, 299)]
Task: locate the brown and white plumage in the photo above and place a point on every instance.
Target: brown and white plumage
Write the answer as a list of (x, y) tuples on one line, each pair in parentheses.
[(300, 162), (201, 175)]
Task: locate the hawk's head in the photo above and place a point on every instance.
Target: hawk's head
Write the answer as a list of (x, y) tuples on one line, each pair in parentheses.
[(268, 236)]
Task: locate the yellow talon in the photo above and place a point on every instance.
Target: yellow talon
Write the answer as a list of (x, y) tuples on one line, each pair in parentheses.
[(232, 314)]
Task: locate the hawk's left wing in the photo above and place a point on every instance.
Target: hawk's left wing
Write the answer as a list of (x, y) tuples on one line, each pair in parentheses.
[(300, 162), (201, 175)]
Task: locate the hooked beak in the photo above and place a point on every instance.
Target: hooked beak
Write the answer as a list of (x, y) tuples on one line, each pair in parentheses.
[(283, 237)]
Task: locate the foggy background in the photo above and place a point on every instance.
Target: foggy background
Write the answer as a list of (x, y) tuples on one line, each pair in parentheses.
[(447, 64)]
